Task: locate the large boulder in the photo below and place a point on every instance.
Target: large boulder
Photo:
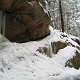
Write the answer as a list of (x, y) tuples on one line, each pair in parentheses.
[(24, 21)]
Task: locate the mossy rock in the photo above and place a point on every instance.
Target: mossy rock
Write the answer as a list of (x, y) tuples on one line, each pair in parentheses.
[(74, 62), (56, 46)]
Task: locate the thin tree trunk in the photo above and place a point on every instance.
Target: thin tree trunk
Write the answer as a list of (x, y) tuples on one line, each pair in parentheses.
[(0, 25), (62, 22), (3, 24)]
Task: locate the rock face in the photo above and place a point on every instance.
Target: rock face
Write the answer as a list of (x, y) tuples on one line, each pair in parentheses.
[(24, 21)]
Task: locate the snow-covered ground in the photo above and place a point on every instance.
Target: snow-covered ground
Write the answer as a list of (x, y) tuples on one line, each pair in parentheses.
[(24, 62)]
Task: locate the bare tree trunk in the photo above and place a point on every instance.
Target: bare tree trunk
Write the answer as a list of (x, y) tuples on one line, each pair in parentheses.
[(3, 23), (0, 25), (62, 22)]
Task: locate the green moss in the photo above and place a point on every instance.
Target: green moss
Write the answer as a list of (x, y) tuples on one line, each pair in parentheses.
[(75, 61)]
